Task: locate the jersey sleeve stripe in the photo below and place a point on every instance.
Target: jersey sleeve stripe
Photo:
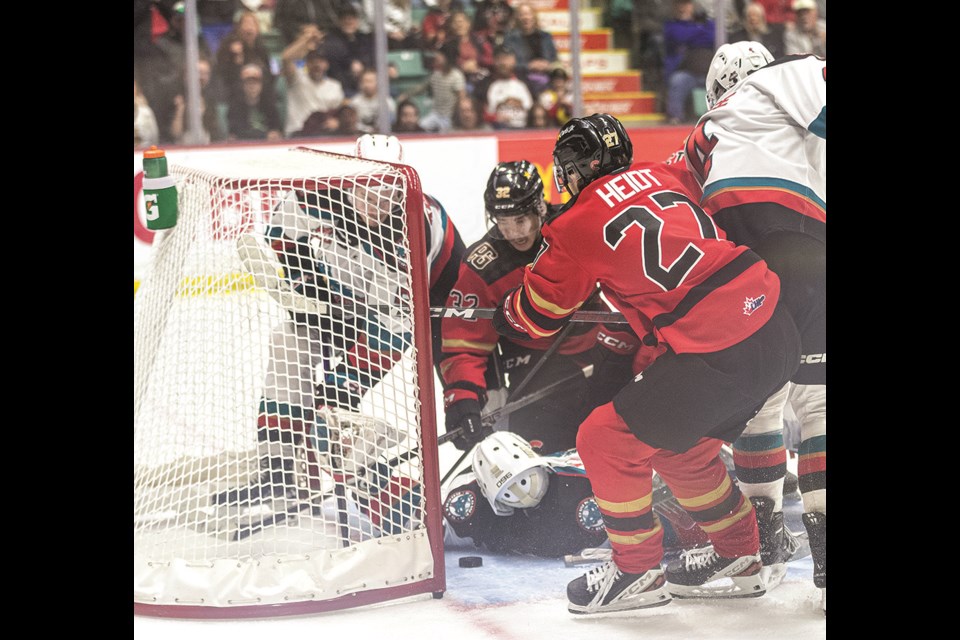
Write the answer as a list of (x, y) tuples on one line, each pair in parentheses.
[(484, 347), (819, 126)]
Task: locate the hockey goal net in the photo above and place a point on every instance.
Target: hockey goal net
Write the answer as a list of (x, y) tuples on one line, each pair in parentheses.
[(284, 413)]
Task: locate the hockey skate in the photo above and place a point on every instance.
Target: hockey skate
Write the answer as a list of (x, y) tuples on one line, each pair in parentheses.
[(701, 573), (816, 525), (606, 589), (778, 545)]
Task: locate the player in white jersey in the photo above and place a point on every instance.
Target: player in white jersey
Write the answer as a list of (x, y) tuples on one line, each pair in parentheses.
[(760, 154), (342, 245)]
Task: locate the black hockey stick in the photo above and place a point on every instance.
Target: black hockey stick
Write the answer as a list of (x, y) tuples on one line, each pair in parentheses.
[(523, 383), (610, 317), (490, 418), (261, 263)]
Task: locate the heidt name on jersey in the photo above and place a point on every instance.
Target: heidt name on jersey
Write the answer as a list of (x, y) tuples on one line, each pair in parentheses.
[(627, 184)]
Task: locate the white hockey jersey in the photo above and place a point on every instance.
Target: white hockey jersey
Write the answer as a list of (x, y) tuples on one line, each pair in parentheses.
[(766, 140)]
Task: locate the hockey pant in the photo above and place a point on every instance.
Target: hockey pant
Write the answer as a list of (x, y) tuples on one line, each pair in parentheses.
[(620, 467)]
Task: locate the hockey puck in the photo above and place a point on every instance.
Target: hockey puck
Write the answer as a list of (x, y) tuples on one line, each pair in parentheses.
[(471, 561)]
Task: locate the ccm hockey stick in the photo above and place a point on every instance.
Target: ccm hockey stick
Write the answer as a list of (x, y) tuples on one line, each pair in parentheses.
[(262, 264), (480, 313)]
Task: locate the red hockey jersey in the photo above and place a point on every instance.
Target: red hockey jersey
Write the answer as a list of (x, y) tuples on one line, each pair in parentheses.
[(658, 258)]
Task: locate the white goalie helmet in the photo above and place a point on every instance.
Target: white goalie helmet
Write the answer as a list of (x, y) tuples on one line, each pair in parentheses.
[(732, 63), (511, 475), (379, 147)]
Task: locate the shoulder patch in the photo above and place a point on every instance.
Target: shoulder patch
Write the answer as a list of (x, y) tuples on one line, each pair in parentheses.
[(460, 505), (482, 256)]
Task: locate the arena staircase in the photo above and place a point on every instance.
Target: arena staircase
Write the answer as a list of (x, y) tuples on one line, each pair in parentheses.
[(609, 84)]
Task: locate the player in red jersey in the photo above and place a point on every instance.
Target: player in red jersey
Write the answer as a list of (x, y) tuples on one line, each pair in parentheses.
[(637, 230), (493, 265)]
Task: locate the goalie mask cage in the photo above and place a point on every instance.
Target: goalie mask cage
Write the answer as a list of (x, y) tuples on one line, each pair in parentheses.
[(281, 364)]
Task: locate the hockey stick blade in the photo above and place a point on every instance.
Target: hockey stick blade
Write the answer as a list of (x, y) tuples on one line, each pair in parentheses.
[(261, 264), (590, 555), (248, 529), (611, 317)]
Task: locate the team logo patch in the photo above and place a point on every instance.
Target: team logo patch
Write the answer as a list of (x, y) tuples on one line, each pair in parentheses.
[(460, 505), (752, 304), (588, 516), (482, 256)]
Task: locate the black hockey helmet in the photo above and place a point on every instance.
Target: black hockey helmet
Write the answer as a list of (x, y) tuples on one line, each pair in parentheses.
[(514, 189), (590, 147)]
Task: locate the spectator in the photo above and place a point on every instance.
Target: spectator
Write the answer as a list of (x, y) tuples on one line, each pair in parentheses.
[(247, 26), (231, 58), (756, 29), (367, 103), (402, 33), (808, 34), (408, 118), (148, 60), (777, 12), (213, 129), (217, 18), (534, 47), (342, 122), (167, 77), (349, 50), (349, 121), (309, 89), (145, 130), (445, 85), (646, 46), (433, 29), (242, 46), (506, 97), (291, 16), (688, 43), (469, 51), (557, 98), (466, 116), (254, 115), (538, 118), (492, 19)]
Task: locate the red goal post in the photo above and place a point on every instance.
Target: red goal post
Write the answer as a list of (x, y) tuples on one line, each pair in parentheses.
[(252, 496)]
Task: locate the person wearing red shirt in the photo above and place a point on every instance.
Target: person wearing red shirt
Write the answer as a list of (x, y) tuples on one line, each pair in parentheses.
[(637, 230)]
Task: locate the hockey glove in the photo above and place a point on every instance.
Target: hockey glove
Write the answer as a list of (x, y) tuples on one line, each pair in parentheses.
[(504, 322), (465, 416)]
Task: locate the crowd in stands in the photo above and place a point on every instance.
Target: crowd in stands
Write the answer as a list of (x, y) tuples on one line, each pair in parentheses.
[(277, 69)]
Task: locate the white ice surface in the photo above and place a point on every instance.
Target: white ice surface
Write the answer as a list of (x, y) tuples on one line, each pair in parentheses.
[(514, 598)]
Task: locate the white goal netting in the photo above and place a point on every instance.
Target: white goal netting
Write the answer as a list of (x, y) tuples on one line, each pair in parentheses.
[(284, 427)]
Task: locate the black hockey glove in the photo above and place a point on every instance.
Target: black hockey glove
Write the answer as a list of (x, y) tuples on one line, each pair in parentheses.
[(504, 322), (465, 416)]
